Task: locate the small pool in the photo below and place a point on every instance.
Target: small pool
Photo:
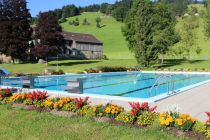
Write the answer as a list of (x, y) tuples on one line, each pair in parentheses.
[(127, 84)]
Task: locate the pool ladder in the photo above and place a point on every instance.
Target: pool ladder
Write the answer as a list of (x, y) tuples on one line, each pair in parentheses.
[(137, 68), (161, 80)]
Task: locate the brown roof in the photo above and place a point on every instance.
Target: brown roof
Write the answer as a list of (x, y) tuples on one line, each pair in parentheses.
[(80, 37)]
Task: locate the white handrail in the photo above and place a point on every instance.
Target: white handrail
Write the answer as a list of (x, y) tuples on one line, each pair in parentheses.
[(158, 83), (137, 68)]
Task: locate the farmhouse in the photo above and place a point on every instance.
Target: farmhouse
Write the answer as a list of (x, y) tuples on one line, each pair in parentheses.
[(82, 46)]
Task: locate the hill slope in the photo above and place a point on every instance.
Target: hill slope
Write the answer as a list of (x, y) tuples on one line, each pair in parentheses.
[(201, 40), (115, 46)]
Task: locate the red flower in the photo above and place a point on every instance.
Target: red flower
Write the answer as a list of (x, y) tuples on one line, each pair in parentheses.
[(145, 106), (80, 102), (152, 109), (137, 108), (8, 91), (134, 112), (37, 95), (208, 114)]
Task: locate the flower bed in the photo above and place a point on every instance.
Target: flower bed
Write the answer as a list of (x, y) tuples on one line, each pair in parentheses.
[(141, 114)]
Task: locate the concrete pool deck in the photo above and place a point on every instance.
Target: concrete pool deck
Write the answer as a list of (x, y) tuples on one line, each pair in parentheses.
[(195, 101)]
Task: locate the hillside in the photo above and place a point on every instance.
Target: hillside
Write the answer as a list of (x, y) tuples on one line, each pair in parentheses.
[(201, 40), (115, 46)]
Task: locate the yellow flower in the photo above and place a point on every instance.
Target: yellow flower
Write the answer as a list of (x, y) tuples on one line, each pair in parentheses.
[(94, 109), (108, 110), (167, 122), (170, 119)]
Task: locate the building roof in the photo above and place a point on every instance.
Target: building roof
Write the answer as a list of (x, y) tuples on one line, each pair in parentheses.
[(80, 37)]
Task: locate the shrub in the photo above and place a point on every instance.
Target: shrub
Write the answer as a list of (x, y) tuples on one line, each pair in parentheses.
[(92, 71), (185, 122), (208, 133), (98, 110), (39, 104), (49, 103), (59, 72), (208, 121), (112, 110), (112, 69), (125, 117), (86, 111), (138, 109), (19, 98), (76, 22), (59, 103), (104, 57), (37, 95), (80, 102), (70, 107), (5, 93), (147, 118), (166, 119), (85, 22), (62, 20), (199, 127)]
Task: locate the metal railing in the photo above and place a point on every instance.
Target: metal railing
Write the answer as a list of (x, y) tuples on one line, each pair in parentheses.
[(137, 68), (161, 80)]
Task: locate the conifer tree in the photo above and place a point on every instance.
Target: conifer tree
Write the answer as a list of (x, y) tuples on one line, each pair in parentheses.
[(139, 34)]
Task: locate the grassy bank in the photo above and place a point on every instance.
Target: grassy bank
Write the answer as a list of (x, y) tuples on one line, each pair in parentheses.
[(24, 125)]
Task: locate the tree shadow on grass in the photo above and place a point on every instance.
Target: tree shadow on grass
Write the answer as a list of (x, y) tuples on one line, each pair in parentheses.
[(174, 62), (74, 63)]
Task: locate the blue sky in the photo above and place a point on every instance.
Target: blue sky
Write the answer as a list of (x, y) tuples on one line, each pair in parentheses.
[(36, 6)]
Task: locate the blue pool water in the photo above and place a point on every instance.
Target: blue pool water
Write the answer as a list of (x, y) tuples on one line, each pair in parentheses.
[(136, 84)]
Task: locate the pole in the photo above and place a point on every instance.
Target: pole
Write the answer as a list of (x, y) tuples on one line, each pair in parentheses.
[(57, 63)]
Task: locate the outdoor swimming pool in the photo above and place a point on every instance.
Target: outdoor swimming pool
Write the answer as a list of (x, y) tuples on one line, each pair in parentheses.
[(127, 84)]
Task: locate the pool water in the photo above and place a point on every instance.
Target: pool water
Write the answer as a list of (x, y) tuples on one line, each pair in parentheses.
[(135, 84)]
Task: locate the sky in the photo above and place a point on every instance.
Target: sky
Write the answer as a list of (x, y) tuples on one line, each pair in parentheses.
[(36, 6)]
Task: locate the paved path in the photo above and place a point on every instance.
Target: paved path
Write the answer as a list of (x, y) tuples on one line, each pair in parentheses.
[(195, 102)]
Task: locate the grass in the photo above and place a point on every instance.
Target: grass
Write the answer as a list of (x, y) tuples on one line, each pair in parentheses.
[(115, 46), (17, 124), (68, 65)]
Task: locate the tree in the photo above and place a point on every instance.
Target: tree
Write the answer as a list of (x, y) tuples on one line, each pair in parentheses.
[(188, 35), (15, 30), (164, 29), (59, 13), (138, 31), (207, 19), (120, 9), (98, 21), (178, 6), (85, 22), (109, 9), (49, 40), (70, 11), (91, 8), (104, 7), (76, 22)]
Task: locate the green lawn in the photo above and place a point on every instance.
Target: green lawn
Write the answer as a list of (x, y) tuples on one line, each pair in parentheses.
[(115, 46), (17, 124)]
